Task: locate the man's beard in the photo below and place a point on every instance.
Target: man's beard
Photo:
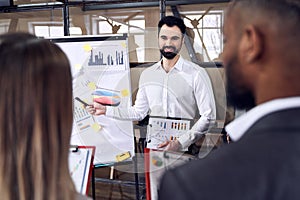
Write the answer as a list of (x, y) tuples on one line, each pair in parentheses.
[(237, 94), (169, 55)]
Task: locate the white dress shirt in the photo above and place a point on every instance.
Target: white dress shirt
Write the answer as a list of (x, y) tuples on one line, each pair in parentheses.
[(184, 92), (237, 128)]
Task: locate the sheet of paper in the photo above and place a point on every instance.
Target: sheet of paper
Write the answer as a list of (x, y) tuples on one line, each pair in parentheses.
[(159, 162), (160, 130), (99, 63), (79, 166)]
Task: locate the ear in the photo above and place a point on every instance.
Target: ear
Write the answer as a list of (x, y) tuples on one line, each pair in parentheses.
[(251, 45)]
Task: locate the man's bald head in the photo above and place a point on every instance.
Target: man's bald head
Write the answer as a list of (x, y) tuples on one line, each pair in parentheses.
[(261, 51), (281, 16)]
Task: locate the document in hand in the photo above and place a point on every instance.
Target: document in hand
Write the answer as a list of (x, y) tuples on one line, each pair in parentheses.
[(161, 129), (156, 163)]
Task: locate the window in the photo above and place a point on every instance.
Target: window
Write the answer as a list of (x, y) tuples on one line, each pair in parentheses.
[(4, 26), (207, 34), (53, 29), (135, 28)]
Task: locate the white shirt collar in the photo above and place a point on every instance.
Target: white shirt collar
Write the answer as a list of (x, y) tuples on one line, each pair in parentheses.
[(178, 65), (239, 126)]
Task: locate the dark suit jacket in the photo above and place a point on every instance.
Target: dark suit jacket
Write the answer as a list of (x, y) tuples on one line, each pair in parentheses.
[(263, 164)]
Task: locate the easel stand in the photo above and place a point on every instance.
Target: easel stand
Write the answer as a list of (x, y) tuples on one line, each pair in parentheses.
[(114, 176)]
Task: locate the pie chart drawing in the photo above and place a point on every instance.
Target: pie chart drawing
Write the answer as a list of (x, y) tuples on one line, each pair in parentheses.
[(106, 97)]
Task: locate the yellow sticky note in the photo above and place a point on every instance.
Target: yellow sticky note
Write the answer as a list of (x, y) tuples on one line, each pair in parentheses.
[(123, 156), (87, 47), (124, 93), (123, 44), (92, 85), (77, 66), (96, 127)]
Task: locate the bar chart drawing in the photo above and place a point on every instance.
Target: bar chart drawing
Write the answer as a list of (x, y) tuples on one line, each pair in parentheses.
[(101, 57), (98, 58)]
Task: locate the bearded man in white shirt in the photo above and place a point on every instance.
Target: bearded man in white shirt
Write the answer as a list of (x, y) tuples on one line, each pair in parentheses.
[(171, 88)]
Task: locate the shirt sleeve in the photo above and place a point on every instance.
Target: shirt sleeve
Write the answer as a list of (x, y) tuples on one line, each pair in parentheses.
[(207, 109), (136, 112)]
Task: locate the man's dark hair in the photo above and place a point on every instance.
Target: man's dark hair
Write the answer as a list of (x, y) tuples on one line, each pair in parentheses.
[(171, 21)]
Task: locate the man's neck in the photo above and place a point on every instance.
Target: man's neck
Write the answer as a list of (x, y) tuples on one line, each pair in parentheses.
[(168, 64)]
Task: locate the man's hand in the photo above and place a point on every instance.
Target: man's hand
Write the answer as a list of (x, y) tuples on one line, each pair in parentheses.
[(96, 109), (172, 145)]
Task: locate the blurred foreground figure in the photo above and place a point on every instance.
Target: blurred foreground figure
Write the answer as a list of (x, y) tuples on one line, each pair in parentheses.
[(262, 63), (35, 120)]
